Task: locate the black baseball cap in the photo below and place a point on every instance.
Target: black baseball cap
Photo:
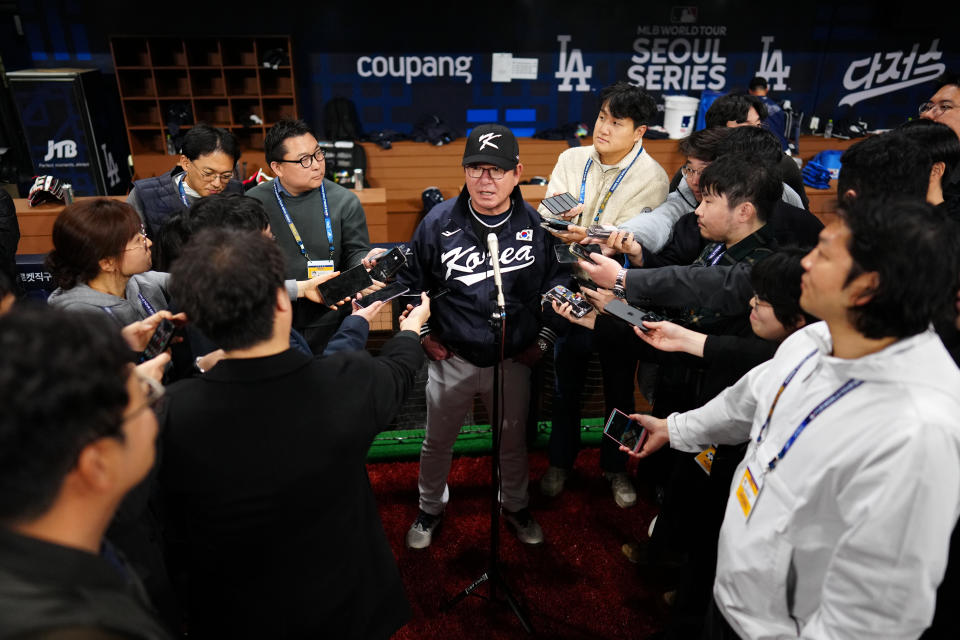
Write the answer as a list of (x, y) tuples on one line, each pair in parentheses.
[(492, 144)]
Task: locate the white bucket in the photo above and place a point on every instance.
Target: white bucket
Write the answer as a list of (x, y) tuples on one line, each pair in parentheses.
[(679, 115)]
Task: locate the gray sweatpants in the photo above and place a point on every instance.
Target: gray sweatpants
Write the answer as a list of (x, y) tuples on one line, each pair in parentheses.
[(451, 386)]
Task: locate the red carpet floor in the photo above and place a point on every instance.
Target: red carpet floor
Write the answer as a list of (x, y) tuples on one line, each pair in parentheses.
[(576, 585)]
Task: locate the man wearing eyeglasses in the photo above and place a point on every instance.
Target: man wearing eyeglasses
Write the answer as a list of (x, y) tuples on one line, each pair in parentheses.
[(450, 252), (206, 166), (71, 454), (944, 107), (319, 225)]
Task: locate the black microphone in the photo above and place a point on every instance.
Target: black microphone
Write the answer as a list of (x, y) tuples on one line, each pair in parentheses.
[(493, 247)]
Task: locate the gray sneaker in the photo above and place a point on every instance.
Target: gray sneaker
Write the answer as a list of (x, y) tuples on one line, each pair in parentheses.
[(420, 534), (623, 492), (523, 524), (551, 484)]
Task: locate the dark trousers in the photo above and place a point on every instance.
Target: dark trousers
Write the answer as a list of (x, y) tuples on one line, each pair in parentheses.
[(571, 358), (717, 627)]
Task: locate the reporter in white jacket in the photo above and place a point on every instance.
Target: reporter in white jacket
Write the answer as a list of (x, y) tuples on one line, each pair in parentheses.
[(840, 515)]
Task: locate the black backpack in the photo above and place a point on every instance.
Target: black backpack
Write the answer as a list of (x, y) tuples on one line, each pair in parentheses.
[(340, 120)]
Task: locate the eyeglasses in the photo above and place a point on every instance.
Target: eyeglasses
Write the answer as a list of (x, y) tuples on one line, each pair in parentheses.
[(143, 239), (934, 108), (690, 171), (495, 173), (307, 160), (209, 175), (757, 301), (154, 392)]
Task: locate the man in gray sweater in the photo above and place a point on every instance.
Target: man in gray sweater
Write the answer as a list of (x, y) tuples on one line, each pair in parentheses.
[(319, 225)]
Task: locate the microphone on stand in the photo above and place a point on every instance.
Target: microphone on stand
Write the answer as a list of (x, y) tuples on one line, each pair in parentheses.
[(493, 247)]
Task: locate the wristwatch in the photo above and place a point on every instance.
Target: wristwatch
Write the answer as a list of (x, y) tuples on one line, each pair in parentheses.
[(619, 285)]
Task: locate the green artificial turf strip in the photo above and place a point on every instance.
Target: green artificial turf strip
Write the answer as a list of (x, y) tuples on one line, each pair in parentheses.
[(474, 440)]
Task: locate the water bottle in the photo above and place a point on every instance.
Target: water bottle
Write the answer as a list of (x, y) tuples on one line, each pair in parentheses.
[(828, 131)]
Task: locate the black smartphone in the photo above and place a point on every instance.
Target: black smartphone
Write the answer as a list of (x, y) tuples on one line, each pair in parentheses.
[(555, 224), (585, 283), (631, 315), (345, 285), (560, 203), (579, 307), (625, 430), (388, 264), (584, 250), (600, 230), (160, 340), (414, 298), (386, 294), (563, 254)]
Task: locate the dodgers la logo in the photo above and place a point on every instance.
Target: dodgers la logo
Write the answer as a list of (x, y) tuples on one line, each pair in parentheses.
[(571, 68), (466, 260), (486, 140)]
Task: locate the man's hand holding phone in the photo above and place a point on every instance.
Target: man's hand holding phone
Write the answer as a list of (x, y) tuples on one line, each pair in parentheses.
[(657, 432), (601, 269)]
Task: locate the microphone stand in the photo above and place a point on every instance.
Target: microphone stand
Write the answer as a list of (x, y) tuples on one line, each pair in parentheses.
[(493, 575)]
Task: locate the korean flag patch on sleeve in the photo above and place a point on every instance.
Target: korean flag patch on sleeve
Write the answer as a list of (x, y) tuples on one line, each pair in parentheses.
[(526, 235)]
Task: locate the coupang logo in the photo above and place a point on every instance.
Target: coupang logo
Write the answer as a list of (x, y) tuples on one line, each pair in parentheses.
[(667, 58)]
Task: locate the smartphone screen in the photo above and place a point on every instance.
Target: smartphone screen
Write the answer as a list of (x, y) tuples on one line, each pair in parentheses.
[(563, 254), (345, 285), (624, 430), (584, 250), (160, 339), (388, 264), (386, 294)]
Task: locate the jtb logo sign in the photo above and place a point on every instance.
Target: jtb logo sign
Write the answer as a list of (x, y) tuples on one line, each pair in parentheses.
[(572, 68), (893, 78), (771, 66), (62, 149)]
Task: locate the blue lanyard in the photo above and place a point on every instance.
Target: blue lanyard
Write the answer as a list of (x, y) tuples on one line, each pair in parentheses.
[(143, 303), (716, 254), (613, 187), (844, 389), (146, 304), (183, 193), (293, 227)]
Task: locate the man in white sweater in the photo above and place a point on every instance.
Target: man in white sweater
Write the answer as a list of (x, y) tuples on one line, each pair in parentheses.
[(840, 514), (613, 179)]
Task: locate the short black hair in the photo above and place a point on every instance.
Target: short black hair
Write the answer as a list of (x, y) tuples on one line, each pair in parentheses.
[(757, 82), (704, 144), (202, 139), (273, 146), (939, 140), (227, 210), (914, 253), (776, 280), (743, 178), (226, 281), (625, 100), (756, 141), (733, 107), (947, 78), (220, 210), (63, 385), (887, 165)]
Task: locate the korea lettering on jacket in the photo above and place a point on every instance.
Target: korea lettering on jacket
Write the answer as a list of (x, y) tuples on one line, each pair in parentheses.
[(449, 254)]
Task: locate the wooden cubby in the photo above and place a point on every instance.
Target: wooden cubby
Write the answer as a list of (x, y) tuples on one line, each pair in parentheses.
[(218, 80)]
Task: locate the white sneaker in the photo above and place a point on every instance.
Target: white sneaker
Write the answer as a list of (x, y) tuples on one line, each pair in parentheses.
[(623, 492), (420, 534), (551, 484), (523, 524)]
